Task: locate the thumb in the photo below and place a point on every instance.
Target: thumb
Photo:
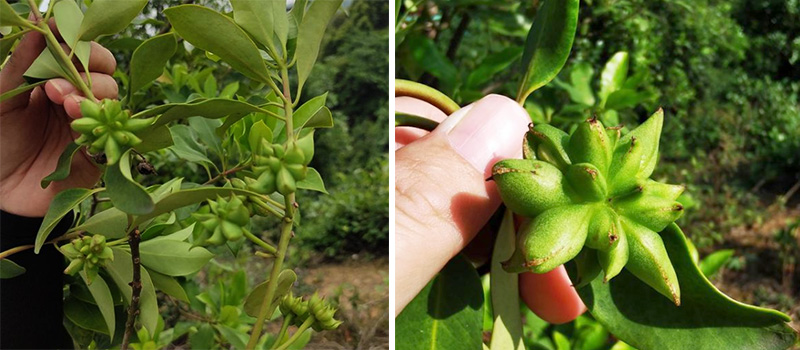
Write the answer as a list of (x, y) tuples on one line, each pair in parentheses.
[(441, 196)]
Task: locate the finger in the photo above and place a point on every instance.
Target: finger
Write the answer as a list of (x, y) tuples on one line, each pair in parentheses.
[(441, 196), (72, 105), (27, 50), (404, 135), (101, 60), (551, 295), (103, 86)]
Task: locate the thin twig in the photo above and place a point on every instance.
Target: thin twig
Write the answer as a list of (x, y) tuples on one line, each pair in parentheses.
[(136, 288), (225, 174)]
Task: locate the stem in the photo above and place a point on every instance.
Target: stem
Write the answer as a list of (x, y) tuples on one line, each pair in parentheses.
[(403, 119), (225, 173), (297, 333), (11, 251), (55, 47), (35, 10), (287, 224), (266, 207), (284, 328), (425, 93), (14, 250), (259, 242), (136, 288)]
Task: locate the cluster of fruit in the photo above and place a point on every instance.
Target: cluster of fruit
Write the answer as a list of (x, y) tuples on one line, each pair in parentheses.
[(591, 188), (316, 307), (88, 253), (106, 127), (279, 167), (221, 221)]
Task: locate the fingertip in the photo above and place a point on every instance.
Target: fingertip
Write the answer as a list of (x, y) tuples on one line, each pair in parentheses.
[(58, 89), (72, 105), (551, 295)]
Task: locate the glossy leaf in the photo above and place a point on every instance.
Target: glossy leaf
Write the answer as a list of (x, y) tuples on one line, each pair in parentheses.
[(252, 305), (105, 17), (60, 206), (85, 315), (63, 165), (9, 17), (10, 269), (212, 31), (153, 139), (313, 181), (173, 258), (121, 272), (68, 18), (548, 44), (210, 108), (45, 67), (168, 285), (186, 197), (264, 20), (439, 318), (309, 36), (102, 298), (507, 330), (613, 77), (111, 223), (148, 60), (308, 111), (714, 261), (125, 193), (706, 319)]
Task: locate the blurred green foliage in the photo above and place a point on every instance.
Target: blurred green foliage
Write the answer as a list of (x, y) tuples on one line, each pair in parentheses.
[(727, 74)]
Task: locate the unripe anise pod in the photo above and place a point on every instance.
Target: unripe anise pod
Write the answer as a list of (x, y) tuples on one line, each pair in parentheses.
[(105, 127), (590, 191)]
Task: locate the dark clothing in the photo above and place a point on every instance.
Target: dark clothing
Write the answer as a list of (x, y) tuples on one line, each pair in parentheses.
[(31, 304)]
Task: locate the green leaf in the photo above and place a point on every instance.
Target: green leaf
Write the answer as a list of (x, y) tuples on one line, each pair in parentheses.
[(613, 76), (626, 98), (211, 108), (102, 298), (492, 65), (252, 305), (173, 258), (168, 285), (215, 32), (579, 89), (10, 269), (110, 223), (259, 131), (548, 44), (125, 193), (121, 271), (424, 53), (9, 17), (204, 128), (263, 19), (68, 18), (45, 67), (237, 339), (105, 17), (149, 59), (714, 261), (313, 114), (63, 165), (60, 206), (153, 139), (186, 146), (85, 315), (706, 319), (7, 42), (507, 330), (183, 198), (447, 313), (313, 181), (309, 36), (20, 89)]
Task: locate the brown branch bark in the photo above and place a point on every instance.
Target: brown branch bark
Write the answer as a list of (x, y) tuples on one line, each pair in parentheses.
[(136, 288)]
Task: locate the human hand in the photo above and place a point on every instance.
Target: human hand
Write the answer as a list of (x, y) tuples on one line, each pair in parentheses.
[(34, 127), (442, 199)]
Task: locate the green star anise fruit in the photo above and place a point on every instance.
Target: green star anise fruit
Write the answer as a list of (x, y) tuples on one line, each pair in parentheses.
[(105, 127), (589, 192)]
